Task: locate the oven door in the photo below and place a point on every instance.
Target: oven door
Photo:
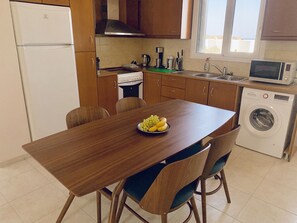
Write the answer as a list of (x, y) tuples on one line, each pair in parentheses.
[(267, 70), (131, 89)]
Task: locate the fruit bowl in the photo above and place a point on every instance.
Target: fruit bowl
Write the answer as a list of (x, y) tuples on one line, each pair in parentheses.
[(153, 133)]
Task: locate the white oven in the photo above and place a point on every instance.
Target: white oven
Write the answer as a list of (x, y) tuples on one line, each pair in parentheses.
[(130, 84)]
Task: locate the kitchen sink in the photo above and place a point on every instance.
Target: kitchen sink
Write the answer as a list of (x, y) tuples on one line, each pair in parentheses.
[(207, 75), (231, 78)]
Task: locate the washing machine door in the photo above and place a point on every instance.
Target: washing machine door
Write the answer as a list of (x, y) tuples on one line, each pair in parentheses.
[(262, 120)]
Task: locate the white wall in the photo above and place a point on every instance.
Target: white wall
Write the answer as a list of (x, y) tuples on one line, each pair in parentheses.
[(14, 130)]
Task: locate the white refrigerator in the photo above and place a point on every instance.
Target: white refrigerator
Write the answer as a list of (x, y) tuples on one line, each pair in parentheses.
[(45, 48)]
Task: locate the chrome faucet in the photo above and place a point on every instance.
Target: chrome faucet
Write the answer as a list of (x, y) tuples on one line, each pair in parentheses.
[(207, 65), (222, 71)]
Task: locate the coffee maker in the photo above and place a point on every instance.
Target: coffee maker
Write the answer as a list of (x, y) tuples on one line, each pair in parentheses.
[(159, 60)]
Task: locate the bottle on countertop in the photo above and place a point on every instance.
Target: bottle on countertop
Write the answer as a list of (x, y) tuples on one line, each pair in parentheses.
[(206, 66)]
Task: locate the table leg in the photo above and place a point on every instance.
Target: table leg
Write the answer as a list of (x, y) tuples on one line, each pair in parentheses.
[(98, 196), (115, 201), (65, 208)]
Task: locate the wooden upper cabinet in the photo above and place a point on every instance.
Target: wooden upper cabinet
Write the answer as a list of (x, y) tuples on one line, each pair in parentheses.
[(165, 18), (152, 88), (83, 25), (280, 20), (147, 12), (108, 92), (129, 12), (56, 2), (87, 78), (197, 91)]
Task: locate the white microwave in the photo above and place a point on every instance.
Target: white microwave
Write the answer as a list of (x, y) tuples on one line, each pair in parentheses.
[(273, 71)]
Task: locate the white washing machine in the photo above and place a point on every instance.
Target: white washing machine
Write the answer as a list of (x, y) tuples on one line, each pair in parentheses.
[(266, 121)]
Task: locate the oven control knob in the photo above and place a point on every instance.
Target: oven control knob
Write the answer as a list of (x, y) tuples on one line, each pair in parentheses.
[(265, 96)]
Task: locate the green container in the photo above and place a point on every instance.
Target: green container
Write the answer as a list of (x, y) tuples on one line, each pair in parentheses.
[(160, 70)]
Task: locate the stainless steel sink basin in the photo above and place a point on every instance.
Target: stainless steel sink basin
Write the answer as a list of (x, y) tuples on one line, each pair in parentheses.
[(231, 78), (207, 75)]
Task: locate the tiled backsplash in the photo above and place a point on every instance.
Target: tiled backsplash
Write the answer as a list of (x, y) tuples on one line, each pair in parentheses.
[(115, 51)]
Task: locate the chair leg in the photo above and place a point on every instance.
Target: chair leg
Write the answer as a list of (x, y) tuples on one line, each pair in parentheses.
[(225, 185), (121, 207), (203, 200), (98, 196), (164, 218), (195, 210)]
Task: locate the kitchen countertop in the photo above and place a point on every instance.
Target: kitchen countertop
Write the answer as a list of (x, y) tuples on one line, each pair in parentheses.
[(288, 89)]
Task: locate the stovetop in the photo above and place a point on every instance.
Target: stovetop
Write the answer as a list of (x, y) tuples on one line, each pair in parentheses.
[(118, 70), (125, 75)]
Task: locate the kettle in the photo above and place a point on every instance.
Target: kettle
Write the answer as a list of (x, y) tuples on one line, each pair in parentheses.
[(146, 59)]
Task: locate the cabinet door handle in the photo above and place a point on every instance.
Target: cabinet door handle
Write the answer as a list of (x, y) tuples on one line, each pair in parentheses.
[(204, 90), (91, 39), (93, 61), (173, 79), (114, 84), (275, 31), (158, 83), (211, 92)]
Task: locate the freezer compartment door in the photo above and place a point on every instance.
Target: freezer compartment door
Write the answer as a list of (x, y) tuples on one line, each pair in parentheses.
[(41, 24), (50, 87)]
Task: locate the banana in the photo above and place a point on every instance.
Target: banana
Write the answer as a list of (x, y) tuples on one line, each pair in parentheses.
[(153, 129), (163, 128), (162, 122)]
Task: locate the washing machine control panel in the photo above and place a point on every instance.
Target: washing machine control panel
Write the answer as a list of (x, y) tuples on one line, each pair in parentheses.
[(265, 96)]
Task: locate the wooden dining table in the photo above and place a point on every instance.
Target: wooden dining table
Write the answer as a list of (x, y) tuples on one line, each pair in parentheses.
[(97, 154)]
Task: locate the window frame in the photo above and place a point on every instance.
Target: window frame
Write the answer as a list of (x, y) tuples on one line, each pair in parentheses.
[(226, 54)]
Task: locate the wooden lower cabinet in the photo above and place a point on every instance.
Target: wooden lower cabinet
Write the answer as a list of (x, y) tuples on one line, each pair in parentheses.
[(171, 92), (225, 96), (87, 78), (152, 88), (108, 92), (197, 91), (173, 87), (213, 93)]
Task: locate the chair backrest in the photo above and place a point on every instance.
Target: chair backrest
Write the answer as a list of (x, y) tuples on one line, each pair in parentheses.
[(221, 147), (172, 178), (84, 115), (129, 103)]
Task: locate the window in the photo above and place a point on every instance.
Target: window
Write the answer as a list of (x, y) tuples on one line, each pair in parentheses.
[(228, 28)]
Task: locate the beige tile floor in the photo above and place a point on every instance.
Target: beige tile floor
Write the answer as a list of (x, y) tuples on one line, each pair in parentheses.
[(263, 189)]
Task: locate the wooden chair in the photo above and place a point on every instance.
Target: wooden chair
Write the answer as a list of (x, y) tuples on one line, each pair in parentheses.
[(129, 103), (80, 116), (83, 115), (164, 188), (221, 147)]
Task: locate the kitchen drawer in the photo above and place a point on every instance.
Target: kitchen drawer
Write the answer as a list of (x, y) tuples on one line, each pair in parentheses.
[(171, 92), (172, 81)]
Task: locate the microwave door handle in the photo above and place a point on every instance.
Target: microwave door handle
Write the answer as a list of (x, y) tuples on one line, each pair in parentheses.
[(130, 83), (281, 71)]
